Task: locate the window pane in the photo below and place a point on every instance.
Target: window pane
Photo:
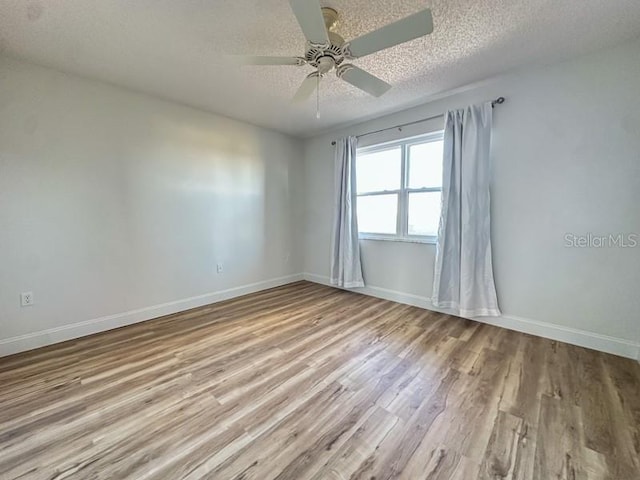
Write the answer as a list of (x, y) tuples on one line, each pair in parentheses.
[(377, 213), (379, 171), (425, 165), (424, 213)]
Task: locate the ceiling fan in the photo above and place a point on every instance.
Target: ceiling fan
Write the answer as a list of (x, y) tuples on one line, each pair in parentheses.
[(326, 50)]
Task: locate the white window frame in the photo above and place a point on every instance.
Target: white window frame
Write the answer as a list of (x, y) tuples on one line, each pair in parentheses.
[(402, 216)]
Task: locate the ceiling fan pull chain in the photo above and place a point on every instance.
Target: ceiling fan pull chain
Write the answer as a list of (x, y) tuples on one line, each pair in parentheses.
[(318, 97)]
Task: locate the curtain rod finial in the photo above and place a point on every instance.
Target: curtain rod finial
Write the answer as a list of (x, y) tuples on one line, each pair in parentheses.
[(497, 101), (333, 143)]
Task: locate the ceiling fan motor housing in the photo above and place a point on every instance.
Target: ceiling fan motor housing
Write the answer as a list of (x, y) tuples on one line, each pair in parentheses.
[(316, 52), (319, 55)]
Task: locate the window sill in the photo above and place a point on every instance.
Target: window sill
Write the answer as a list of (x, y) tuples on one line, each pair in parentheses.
[(384, 238)]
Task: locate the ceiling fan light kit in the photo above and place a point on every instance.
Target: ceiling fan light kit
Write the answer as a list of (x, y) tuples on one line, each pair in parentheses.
[(327, 51)]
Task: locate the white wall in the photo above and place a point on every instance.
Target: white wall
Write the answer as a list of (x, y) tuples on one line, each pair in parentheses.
[(116, 207), (566, 158)]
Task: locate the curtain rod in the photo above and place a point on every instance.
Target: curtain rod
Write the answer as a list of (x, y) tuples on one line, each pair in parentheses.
[(497, 101)]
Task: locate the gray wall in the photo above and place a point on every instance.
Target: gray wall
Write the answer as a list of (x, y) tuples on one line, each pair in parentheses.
[(113, 203)]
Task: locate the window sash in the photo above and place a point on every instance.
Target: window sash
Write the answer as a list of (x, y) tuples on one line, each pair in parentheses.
[(402, 215)]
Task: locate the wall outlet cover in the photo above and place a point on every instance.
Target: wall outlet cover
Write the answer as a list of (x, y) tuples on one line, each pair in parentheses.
[(26, 299)]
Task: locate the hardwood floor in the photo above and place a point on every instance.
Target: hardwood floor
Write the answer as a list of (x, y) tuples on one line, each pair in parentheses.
[(309, 382)]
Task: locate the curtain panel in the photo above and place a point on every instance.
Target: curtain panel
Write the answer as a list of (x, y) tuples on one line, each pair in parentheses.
[(346, 268), (463, 278)]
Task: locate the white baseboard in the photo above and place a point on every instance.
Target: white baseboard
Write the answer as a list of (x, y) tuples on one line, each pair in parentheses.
[(582, 338), (50, 336)]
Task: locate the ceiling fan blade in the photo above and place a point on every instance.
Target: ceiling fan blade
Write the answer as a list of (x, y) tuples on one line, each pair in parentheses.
[(413, 26), (307, 88), (252, 60), (311, 21), (363, 80)]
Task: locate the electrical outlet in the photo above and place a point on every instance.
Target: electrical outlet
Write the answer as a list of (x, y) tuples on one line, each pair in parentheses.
[(219, 268), (26, 299)]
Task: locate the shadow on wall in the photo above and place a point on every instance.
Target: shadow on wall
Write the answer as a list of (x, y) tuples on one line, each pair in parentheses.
[(212, 182)]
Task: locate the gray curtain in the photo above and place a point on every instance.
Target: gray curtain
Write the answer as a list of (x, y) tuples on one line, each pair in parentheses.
[(346, 269), (463, 279)]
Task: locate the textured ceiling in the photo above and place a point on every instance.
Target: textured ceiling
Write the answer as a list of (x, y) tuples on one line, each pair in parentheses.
[(175, 48)]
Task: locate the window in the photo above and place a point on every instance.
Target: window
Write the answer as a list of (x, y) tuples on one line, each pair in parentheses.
[(399, 185)]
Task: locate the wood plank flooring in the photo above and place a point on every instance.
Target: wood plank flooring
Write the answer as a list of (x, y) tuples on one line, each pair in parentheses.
[(309, 382)]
